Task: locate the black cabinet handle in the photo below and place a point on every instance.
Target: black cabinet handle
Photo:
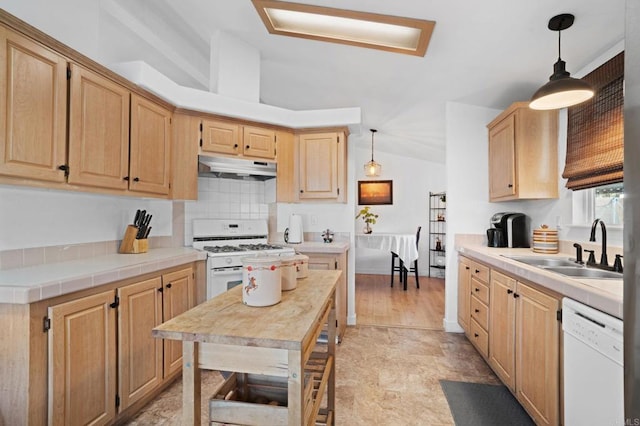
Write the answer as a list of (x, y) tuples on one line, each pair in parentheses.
[(136, 179), (476, 335), (160, 289), (510, 185), (477, 311), (516, 295), (477, 271), (125, 178), (477, 289), (509, 291), (169, 285), (301, 191), (247, 147), (466, 267), (235, 146)]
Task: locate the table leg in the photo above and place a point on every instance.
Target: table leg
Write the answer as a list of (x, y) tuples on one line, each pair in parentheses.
[(191, 406), (295, 388)]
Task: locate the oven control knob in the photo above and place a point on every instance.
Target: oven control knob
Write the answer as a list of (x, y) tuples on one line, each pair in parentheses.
[(228, 260)]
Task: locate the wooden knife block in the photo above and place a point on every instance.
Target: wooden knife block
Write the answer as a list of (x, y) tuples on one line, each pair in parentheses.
[(130, 244)]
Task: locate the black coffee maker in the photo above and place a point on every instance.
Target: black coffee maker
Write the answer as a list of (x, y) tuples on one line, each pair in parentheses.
[(508, 230)]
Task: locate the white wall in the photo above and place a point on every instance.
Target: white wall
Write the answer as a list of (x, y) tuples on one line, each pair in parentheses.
[(61, 21), (32, 217)]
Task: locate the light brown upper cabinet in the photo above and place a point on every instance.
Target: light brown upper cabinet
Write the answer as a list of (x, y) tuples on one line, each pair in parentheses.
[(33, 109), (98, 131), (150, 147), (523, 154), (322, 167), (231, 138)]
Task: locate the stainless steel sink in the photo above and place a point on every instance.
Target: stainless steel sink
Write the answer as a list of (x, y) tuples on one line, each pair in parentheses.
[(577, 271), (543, 261)]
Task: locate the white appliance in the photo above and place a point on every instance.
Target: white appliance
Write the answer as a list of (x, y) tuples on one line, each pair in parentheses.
[(593, 366), (294, 234), (227, 241)]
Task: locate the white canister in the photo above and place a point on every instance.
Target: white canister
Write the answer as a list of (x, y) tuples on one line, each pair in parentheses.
[(302, 265), (289, 272), (261, 281)]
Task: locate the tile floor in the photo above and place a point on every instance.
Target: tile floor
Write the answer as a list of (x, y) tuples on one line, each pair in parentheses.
[(384, 376)]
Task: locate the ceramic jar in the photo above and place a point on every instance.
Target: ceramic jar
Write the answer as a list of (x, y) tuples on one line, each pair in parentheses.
[(261, 280), (545, 240), (289, 272), (302, 265)]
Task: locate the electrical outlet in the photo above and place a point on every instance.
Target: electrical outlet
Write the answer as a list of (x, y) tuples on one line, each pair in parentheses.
[(314, 219)]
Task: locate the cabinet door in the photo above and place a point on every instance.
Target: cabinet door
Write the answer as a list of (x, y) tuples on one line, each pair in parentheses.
[(184, 157), (286, 180), (221, 136), (178, 295), (537, 355), (98, 131), (150, 157), (502, 327), (464, 293), (82, 361), (258, 142), (139, 354), (321, 167), (33, 109), (502, 159)]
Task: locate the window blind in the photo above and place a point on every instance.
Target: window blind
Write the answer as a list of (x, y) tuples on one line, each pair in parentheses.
[(595, 130)]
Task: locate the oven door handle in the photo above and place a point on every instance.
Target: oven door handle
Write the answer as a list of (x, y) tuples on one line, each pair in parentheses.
[(220, 272)]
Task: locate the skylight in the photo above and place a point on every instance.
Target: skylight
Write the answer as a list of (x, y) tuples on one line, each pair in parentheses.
[(390, 33)]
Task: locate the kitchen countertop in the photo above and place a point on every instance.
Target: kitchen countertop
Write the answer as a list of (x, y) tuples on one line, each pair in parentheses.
[(35, 283), (602, 294), (319, 247)]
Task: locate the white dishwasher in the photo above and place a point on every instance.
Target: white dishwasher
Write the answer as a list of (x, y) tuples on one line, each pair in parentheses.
[(593, 366)]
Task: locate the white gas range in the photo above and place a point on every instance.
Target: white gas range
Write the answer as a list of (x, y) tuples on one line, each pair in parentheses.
[(227, 241)]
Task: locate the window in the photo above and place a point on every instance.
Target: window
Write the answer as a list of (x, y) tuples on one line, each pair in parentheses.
[(604, 202), (609, 203)]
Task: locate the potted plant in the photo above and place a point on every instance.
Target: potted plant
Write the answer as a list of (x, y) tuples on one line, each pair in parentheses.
[(368, 217)]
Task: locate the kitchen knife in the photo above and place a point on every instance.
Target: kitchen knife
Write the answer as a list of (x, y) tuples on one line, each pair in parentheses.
[(146, 234), (137, 218)]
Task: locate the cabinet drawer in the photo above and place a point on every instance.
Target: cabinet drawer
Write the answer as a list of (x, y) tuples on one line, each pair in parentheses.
[(479, 337), (479, 271), (480, 312), (480, 290)]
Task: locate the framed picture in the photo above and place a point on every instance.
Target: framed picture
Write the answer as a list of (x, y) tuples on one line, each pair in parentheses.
[(374, 192)]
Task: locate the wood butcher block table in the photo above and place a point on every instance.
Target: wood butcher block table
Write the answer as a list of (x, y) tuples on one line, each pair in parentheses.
[(279, 341)]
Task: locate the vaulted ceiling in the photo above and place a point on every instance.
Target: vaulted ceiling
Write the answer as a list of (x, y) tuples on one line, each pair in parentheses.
[(487, 53)]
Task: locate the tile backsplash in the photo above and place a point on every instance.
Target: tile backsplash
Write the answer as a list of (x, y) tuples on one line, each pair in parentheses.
[(220, 198)]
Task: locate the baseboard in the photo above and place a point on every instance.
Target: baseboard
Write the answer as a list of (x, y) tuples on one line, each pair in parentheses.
[(451, 326), (351, 320)]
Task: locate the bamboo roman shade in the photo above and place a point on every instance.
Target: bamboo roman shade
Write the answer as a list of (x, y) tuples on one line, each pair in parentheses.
[(595, 130)]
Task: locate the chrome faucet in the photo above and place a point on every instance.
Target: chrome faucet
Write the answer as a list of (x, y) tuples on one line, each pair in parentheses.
[(603, 258)]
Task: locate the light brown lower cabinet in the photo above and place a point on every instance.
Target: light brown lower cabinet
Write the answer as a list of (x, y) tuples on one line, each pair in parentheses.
[(334, 261), (524, 345), (102, 357)]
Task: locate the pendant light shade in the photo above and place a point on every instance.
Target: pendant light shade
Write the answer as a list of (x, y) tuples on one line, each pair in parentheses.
[(372, 169), (562, 90)]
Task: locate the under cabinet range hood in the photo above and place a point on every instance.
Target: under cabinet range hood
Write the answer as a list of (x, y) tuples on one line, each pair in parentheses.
[(235, 168)]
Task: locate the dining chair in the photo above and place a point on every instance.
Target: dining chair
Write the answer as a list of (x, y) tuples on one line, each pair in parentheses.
[(413, 268), (403, 272)]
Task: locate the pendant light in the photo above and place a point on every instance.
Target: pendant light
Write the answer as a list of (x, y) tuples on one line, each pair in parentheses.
[(562, 90), (372, 169)]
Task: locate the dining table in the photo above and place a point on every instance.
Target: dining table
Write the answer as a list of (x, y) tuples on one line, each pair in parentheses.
[(402, 244)]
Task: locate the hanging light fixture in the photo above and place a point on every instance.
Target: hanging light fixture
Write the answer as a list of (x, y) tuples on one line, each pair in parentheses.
[(561, 90), (372, 169)]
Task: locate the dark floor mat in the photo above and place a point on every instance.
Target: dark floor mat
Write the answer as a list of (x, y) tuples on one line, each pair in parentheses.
[(478, 404)]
